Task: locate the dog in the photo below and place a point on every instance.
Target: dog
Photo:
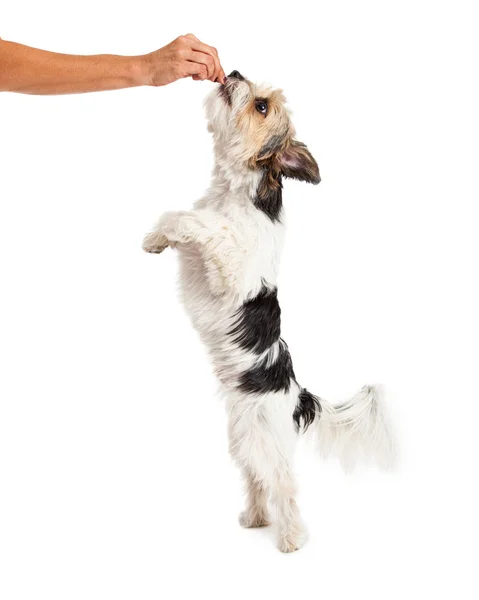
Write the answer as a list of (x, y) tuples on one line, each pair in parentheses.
[(229, 249)]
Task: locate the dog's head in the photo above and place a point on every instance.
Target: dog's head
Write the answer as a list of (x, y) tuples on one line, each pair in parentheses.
[(253, 131)]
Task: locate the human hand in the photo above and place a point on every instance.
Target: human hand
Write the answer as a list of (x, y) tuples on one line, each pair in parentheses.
[(186, 56)]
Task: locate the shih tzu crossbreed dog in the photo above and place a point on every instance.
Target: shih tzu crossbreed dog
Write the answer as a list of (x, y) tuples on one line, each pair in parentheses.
[(229, 249)]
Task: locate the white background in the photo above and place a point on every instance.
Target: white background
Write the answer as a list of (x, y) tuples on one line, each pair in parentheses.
[(115, 480)]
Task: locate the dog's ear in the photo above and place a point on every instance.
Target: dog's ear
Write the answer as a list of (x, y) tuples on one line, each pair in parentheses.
[(297, 162)]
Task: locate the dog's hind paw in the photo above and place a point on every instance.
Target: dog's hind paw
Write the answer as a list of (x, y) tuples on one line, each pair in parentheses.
[(249, 521), (292, 541), (288, 545)]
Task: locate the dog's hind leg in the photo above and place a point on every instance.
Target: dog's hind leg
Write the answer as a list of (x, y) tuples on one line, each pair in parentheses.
[(280, 486), (262, 442), (291, 530), (256, 511)]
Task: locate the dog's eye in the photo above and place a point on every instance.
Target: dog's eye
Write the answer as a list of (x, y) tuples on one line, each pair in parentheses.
[(261, 106)]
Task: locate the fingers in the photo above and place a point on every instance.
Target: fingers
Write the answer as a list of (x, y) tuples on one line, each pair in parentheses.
[(206, 60), (215, 70), (198, 71)]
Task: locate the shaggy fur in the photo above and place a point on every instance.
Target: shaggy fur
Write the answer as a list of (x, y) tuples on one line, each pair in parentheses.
[(229, 249)]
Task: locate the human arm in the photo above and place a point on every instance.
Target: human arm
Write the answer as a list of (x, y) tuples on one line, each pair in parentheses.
[(33, 71)]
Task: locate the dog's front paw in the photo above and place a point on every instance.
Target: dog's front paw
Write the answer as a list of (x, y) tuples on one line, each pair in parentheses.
[(155, 242)]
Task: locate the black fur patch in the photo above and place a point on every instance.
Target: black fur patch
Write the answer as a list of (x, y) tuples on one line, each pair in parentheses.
[(274, 378), (306, 409), (269, 197), (259, 322), (274, 144)]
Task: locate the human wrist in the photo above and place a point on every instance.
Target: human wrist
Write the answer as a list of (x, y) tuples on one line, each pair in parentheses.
[(139, 70)]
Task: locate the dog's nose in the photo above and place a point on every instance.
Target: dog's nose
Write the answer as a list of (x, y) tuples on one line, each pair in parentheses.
[(236, 75)]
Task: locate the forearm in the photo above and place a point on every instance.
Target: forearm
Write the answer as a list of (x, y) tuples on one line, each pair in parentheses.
[(32, 71)]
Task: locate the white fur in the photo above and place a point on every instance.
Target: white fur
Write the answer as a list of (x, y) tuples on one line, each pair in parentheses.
[(227, 249), (357, 430)]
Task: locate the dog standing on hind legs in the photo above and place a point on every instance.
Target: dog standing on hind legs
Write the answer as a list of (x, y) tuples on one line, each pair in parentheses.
[(229, 248)]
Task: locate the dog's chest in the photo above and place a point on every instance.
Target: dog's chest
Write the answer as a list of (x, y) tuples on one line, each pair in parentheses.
[(257, 250), (264, 244)]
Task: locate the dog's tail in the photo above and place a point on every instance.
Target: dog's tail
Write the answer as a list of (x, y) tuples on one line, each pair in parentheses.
[(358, 429)]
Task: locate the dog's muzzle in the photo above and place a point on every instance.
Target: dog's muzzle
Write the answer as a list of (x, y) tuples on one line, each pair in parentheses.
[(236, 75), (231, 80)]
